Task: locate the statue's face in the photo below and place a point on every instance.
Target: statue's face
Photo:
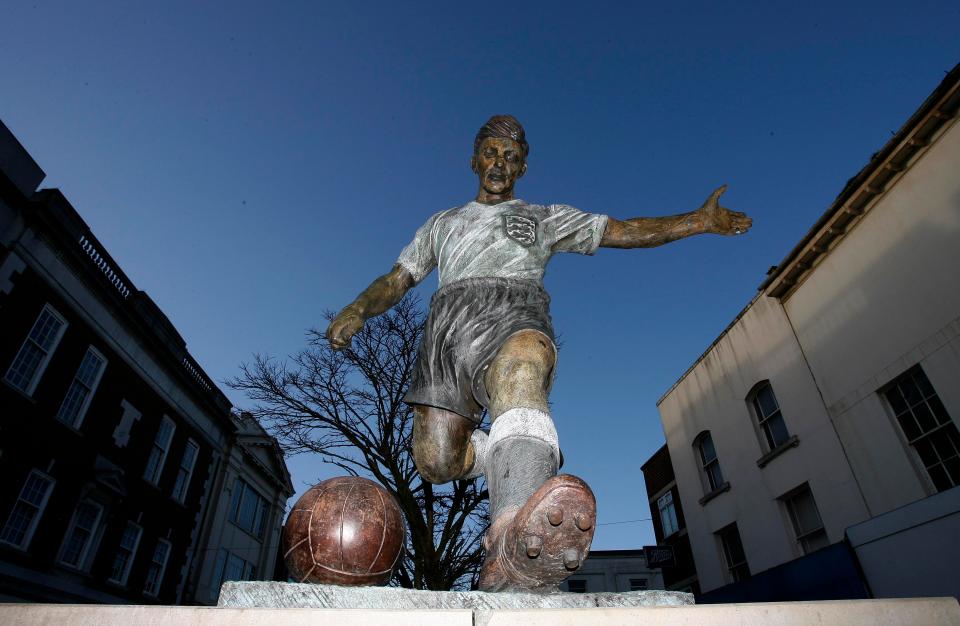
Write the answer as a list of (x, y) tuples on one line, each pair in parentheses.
[(498, 163)]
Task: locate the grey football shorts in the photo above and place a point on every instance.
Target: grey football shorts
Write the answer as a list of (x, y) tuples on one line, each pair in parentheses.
[(468, 323)]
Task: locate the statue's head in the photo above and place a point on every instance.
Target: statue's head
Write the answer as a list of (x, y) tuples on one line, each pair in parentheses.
[(500, 152)]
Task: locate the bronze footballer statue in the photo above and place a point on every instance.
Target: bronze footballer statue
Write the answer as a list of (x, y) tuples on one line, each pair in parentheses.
[(489, 343)]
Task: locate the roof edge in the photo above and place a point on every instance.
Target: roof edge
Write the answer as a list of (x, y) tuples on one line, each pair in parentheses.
[(948, 88), (788, 271)]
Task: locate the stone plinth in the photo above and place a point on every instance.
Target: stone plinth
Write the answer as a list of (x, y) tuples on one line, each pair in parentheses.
[(276, 595)]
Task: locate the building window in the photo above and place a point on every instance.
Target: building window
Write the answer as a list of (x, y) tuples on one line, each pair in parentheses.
[(81, 534), (807, 526), (733, 553), (248, 509), (638, 584), (708, 461), (769, 417), (158, 454), (125, 553), (81, 390), (158, 565), (927, 427), (231, 567), (27, 510), (187, 462), (668, 514), (577, 585), (37, 348)]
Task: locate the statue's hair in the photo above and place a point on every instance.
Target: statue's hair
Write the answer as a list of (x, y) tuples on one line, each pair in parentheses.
[(502, 127)]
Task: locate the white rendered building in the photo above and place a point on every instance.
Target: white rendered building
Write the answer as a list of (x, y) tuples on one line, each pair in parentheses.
[(242, 539), (614, 570), (833, 397)]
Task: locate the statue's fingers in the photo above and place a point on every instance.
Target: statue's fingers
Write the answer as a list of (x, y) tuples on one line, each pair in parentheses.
[(335, 335), (715, 196), (740, 223)]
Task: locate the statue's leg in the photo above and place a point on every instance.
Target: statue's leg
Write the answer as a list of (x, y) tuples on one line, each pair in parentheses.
[(542, 524), (446, 445), (518, 384)]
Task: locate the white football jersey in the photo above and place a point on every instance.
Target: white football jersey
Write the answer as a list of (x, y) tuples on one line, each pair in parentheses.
[(512, 239)]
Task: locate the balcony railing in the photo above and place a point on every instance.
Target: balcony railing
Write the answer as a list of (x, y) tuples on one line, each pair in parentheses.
[(91, 251)]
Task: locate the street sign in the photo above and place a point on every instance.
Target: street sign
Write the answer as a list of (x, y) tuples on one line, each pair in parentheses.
[(660, 556)]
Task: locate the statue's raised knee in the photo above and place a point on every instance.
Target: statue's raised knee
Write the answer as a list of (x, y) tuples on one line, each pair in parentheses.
[(441, 448), (435, 468)]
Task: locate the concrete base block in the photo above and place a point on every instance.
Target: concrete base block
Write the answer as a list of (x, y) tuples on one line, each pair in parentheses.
[(294, 595), (914, 611), (98, 615)]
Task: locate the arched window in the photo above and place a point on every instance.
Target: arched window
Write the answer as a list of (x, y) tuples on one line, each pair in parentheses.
[(769, 418), (708, 460)]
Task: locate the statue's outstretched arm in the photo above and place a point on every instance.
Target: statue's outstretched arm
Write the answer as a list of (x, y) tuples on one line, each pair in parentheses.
[(648, 232), (382, 294)]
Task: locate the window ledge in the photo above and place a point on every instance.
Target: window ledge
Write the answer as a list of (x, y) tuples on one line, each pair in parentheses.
[(716, 492), (23, 394), (792, 442), (70, 427), (245, 531), (13, 546), (83, 571), (181, 503)]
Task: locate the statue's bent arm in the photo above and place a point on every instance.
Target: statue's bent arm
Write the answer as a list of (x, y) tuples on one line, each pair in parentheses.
[(383, 293)]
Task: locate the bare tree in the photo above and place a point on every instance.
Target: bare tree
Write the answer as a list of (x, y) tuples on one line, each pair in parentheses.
[(347, 407)]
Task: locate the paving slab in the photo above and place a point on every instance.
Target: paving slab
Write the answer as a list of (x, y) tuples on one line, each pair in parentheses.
[(886, 612)]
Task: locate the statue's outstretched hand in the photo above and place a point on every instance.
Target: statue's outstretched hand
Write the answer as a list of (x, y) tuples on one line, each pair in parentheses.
[(720, 220), (343, 327)]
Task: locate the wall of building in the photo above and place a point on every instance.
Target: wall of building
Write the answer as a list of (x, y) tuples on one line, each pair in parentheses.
[(712, 396), (868, 295), (659, 479), (94, 461), (49, 257), (102, 316), (881, 301)]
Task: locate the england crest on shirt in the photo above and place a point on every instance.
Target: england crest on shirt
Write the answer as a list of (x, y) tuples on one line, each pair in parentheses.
[(521, 229)]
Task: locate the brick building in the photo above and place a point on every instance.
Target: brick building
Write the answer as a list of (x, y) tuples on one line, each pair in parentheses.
[(669, 525), (113, 440)]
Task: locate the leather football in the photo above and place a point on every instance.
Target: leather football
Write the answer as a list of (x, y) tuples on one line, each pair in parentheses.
[(344, 531)]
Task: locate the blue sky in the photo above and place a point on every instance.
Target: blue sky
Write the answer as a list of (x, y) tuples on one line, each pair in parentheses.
[(252, 164)]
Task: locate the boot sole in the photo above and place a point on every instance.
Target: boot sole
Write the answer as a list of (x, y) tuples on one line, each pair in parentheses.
[(547, 540)]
